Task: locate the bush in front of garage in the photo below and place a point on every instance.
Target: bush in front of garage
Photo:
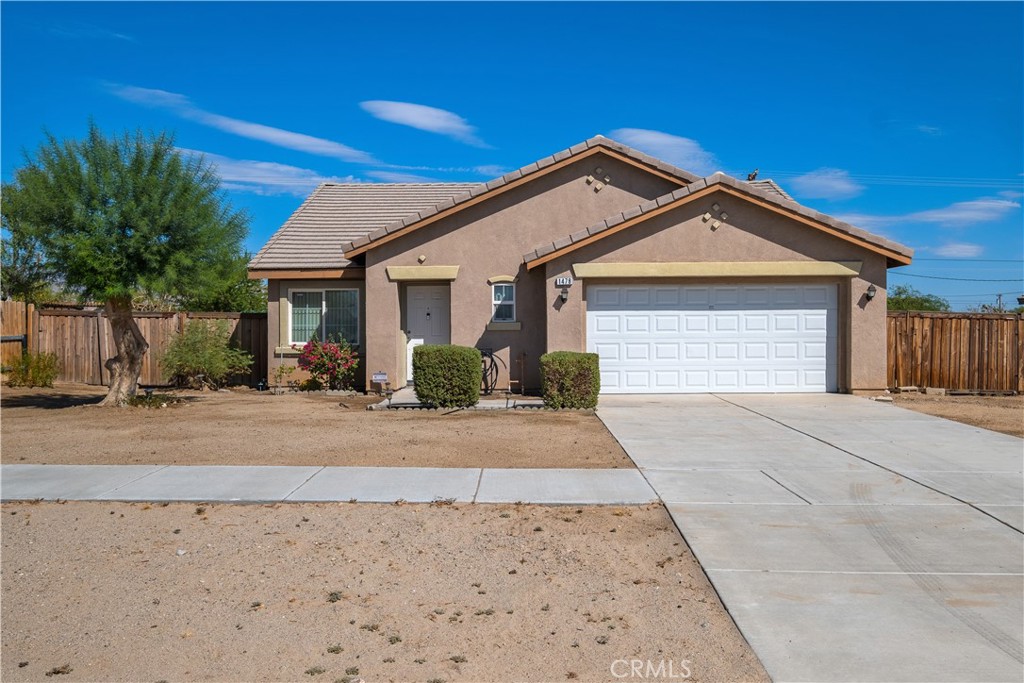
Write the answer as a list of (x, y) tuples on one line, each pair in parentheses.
[(570, 379), (447, 376)]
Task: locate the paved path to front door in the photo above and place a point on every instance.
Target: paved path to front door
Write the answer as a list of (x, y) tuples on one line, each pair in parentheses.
[(850, 540)]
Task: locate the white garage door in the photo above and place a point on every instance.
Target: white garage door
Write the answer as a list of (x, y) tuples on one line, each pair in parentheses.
[(713, 338)]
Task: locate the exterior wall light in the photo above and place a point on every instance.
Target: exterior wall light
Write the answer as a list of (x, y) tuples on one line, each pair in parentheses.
[(565, 294), (870, 294)]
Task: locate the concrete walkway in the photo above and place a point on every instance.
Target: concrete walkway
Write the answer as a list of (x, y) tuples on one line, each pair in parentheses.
[(850, 540), (262, 484)]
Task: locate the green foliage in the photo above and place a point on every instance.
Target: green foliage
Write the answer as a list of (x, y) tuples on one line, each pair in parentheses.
[(34, 370), (570, 379), (202, 355), (237, 293), (331, 365), (906, 298), (24, 273), (446, 375), (122, 215)]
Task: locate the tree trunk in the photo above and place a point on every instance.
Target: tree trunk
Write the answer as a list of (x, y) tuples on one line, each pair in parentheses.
[(126, 367)]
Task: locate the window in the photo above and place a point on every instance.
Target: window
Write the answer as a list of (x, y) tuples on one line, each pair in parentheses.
[(329, 314), (503, 301)]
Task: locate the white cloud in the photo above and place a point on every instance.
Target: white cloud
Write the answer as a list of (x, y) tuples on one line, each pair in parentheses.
[(422, 117), (491, 171), (1011, 194), (966, 213), (958, 215), (264, 177), (930, 130), (683, 152), (959, 250), (395, 177), (183, 107), (826, 183), (89, 32)]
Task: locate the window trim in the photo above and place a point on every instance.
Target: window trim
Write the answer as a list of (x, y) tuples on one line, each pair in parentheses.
[(323, 312), (495, 303)]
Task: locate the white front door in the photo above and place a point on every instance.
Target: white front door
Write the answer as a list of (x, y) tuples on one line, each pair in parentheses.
[(428, 317), (714, 338)]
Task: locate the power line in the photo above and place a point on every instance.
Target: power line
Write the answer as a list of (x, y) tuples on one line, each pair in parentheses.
[(958, 279), (918, 181)]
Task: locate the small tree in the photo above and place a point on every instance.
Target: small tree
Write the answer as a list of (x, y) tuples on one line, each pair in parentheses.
[(120, 216), (202, 355), (906, 298)]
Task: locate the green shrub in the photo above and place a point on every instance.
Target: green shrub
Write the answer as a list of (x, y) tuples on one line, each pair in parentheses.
[(33, 370), (202, 355), (447, 376), (570, 379)]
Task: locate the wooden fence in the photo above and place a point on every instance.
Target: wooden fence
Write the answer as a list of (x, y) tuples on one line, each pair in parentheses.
[(13, 327), (82, 340), (979, 352)]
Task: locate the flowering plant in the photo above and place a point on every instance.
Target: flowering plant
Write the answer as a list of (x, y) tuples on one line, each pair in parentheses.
[(330, 365)]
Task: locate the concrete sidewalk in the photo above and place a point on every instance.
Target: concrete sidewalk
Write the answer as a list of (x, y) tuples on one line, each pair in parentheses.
[(263, 484), (850, 540)]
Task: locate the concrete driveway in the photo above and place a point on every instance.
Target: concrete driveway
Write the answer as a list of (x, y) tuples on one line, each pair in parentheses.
[(850, 540)]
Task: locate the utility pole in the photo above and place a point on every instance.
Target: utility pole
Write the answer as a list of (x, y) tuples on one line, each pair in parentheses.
[(999, 302)]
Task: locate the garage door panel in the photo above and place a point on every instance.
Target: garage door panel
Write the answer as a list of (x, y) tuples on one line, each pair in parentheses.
[(666, 351), (757, 379), (638, 324), (606, 323), (666, 324), (755, 350), (697, 350), (728, 323), (666, 380), (720, 338), (638, 352)]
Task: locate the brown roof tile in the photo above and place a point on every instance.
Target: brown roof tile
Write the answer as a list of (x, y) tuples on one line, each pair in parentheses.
[(336, 214)]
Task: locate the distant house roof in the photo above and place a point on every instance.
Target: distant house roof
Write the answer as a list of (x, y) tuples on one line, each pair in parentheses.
[(519, 176), (770, 196), (336, 213)]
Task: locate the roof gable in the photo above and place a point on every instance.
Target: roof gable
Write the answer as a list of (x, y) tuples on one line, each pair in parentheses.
[(771, 198), (517, 178), (336, 213)]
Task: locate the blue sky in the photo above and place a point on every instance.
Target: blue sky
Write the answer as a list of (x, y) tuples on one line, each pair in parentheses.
[(905, 119)]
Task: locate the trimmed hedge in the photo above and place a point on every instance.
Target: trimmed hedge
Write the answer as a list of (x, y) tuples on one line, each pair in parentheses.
[(570, 379), (447, 376)]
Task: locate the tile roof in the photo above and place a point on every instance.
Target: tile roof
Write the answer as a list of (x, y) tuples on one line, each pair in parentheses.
[(772, 194), (337, 213), (769, 185), (596, 141)]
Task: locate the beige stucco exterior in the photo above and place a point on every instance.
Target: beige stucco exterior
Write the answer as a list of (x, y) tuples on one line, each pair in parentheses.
[(486, 242)]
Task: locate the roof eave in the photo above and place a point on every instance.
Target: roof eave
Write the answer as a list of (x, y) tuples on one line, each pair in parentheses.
[(516, 178), (896, 254)]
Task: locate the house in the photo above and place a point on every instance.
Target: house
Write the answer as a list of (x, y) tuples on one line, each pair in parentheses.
[(679, 283)]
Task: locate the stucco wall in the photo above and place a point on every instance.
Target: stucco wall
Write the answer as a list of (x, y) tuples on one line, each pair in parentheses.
[(279, 309), (487, 240), (751, 233)]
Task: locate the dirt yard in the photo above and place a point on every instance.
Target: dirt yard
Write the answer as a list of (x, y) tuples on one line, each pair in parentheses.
[(116, 591), (999, 413), (61, 426)]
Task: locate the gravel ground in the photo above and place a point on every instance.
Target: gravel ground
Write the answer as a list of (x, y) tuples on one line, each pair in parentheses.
[(133, 592), (61, 426)]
